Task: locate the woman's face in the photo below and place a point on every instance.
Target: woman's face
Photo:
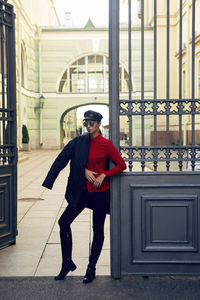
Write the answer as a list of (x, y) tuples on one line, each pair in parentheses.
[(92, 126)]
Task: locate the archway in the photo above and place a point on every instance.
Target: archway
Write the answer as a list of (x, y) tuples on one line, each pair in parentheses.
[(73, 122)]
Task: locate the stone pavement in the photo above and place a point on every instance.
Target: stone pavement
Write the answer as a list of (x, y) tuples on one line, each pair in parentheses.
[(26, 269), (37, 250)]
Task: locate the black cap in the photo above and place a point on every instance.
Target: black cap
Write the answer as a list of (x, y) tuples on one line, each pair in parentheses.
[(92, 115)]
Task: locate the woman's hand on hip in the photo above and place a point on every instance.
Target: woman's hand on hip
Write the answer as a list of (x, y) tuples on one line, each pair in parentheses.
[(90, 175), (98, 181)]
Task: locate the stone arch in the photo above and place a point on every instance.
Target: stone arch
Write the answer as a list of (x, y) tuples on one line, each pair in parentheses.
[(70, 109)]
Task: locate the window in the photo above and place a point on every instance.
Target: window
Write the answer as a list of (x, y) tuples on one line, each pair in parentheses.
[(89, 74)]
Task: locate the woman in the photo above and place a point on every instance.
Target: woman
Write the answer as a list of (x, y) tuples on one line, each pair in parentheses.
[(88, 186)]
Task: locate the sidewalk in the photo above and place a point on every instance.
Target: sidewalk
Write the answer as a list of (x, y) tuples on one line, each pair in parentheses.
[(37, 250), (27, 268)]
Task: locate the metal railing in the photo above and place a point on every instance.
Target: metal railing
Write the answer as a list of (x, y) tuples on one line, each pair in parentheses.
[(154, 156)]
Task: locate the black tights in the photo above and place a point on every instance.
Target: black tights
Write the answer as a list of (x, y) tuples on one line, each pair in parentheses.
[(99, 201)]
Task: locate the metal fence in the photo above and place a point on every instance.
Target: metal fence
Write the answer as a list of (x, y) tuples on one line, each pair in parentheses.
[(176, 155), (8, 147)]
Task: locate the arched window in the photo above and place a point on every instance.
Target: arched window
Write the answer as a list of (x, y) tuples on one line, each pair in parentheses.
[(23, 67), (89, 74)]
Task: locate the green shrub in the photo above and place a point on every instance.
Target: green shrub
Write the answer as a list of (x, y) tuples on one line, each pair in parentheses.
[(25, 135)]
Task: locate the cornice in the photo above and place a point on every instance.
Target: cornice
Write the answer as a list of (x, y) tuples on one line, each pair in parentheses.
[(20, 11)]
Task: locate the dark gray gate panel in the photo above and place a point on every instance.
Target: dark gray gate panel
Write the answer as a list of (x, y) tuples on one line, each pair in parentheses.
[(7, 209), (154, 205), (159, 224), (8, 149)]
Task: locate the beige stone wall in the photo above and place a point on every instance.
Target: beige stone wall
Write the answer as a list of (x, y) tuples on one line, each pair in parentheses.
[(29, 15), (41, 13), (49, 50)]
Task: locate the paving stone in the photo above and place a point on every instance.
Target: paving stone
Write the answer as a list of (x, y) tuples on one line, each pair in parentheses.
[(37, 251)]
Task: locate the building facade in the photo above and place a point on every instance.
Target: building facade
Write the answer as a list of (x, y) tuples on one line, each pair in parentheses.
[(30, 15), (180, 85), (60, 68)]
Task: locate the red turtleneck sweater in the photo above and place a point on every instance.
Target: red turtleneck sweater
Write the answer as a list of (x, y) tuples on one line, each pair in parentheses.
[(101, 149)]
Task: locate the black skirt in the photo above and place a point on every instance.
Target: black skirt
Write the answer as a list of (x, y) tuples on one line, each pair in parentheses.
[(97, 200)]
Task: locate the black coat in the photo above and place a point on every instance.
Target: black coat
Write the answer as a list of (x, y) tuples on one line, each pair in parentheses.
[(76, 151)]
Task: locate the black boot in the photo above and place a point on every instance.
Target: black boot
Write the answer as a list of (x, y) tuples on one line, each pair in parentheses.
[(90, 274), (67, 266)]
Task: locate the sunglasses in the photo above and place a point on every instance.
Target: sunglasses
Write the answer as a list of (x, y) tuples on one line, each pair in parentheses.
[(87, 123)]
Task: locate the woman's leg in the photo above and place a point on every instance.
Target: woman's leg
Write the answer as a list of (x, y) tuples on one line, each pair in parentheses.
[(99, 215), (98, 235), (65, 220), (101, 203)]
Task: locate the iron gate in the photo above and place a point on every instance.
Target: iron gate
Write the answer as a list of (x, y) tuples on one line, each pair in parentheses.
[(155, 203), (8, 150)]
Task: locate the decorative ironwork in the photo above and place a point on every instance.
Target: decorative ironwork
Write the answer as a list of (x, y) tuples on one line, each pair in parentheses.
[(8, 140), (156, 153), (7, 88), (151, 154), (6, 13), (168, 153), (159, 107)]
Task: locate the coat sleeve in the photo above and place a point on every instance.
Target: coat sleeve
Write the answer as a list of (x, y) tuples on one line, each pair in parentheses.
[(60, 162)]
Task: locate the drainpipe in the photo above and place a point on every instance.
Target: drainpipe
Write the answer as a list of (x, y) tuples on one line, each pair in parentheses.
[(41, 98)]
